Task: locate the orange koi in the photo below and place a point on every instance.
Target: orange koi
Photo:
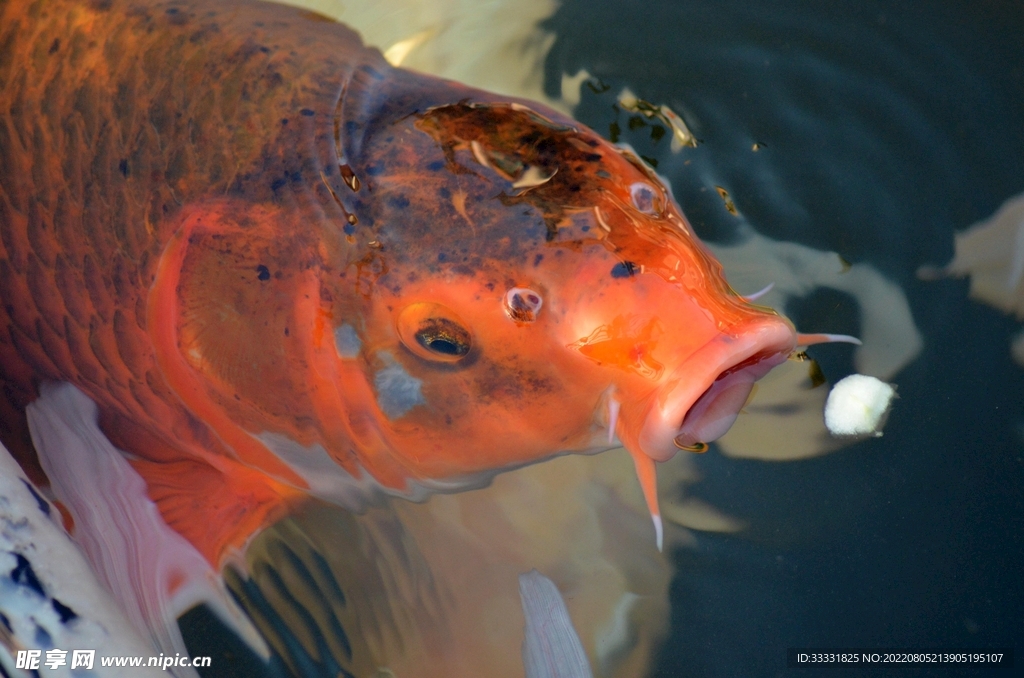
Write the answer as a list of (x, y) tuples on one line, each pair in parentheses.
[(282, 268)]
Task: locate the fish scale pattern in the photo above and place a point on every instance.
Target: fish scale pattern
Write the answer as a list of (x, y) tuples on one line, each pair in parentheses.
[(100, 152)]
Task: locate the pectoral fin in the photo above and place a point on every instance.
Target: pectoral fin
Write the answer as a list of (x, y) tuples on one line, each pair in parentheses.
[(153, 571)]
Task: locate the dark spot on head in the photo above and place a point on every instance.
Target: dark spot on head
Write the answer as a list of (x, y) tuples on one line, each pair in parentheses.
[(624, 269), (441, 256), (65, 612), (24, 575), (284, 121), (172, 10), (44, 505), (262, 272), (277, 183), (286, 332), (55, 45), (593, 157), (123, 167), (585, 228), (296, 176), (537, 259), (308, 112), (436, 165), (265, 50)]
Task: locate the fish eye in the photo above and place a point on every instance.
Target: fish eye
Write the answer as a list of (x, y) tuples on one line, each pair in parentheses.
[(522, 304), (644, 197), (434, 332)]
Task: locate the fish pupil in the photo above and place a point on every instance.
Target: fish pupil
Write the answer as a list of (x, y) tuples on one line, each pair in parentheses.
[(444, 337), (444, 346)]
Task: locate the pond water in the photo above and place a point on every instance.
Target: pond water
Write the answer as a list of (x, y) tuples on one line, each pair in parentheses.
[(884, 128)]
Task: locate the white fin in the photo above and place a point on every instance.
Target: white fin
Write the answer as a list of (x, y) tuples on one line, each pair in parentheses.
[(551, 648), (152, 570)]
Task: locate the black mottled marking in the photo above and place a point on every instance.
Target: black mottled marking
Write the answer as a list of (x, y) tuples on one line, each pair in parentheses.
[(43, 637), (537, 259), (262, 272), (374, 170), (284, 121), (624, 269), (399, 202), (65, 612), (277, 183), (436, 165), (593, 157), (24, 575), (308, 112), (265, 50), (55, 45), (123, 168), (349, 229), (44, 505)]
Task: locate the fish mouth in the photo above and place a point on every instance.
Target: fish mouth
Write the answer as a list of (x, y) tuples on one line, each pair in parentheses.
[(700, 405)]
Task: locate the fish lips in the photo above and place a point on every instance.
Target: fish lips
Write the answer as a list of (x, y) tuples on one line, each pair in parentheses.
[(707, 392)]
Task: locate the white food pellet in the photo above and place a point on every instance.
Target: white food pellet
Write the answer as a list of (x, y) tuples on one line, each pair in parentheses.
[(858, 406)]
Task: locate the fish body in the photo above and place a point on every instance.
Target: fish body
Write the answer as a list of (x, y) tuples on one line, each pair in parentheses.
[(281, 267)]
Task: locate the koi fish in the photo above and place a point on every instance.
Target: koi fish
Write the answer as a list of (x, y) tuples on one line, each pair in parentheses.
[(282, 268)]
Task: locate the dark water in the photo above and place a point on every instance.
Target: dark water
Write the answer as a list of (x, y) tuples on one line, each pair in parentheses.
[(885, 128)]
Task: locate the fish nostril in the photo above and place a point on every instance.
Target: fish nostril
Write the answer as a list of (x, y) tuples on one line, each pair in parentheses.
[(522, 304), (644, 197)]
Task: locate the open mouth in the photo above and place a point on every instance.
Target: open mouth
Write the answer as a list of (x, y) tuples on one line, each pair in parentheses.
[(699, 409), (715, 411)]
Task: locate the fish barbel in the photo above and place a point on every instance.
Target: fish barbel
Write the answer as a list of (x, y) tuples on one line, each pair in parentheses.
[(282, 268)]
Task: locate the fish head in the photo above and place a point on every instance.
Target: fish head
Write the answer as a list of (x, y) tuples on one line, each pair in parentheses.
[(537, 291)]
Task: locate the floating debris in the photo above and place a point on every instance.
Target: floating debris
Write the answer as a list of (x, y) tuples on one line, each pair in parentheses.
[(729, 204), (681, 135)]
